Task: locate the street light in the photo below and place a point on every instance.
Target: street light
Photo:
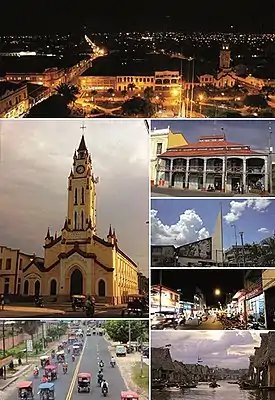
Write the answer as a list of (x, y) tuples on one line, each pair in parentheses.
[(217, 292)]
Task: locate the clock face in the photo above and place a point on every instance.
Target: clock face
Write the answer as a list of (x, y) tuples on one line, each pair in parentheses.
[(80, 169)]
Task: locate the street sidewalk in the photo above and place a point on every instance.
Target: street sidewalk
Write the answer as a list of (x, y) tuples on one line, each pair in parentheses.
[(35, 311), (26, 369), (125, 365)]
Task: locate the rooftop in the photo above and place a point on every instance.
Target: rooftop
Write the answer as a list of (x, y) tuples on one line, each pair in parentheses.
[(8, 86)]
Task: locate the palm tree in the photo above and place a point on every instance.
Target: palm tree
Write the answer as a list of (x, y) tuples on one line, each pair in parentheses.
[(110, 91), (131, 86), (124, 93), (68, 92), (148, 93)]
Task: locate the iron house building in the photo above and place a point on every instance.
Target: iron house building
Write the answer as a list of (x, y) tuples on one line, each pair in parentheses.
[(213, 162)]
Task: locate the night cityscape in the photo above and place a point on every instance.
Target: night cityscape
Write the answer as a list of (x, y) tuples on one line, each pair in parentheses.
[(158, 65), (212, 300)]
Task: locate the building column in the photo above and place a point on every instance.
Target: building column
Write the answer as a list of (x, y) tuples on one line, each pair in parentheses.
[(244, 175), (223, 176), (171, 172), (266, 175), (187, 173), (204, 175), (157, 166)]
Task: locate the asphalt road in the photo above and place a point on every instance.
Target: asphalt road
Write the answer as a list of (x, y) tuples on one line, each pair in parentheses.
[(96, 348), (173, 192)]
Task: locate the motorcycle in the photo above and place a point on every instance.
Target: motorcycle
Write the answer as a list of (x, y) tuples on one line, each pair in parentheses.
[(73, 358), (65, 370), (112, 364), (39, 303), (35, 373), (99, 381), (104, 391), (90, 311)]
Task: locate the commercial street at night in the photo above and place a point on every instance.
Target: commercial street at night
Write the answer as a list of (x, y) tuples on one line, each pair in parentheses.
[(212, 299)]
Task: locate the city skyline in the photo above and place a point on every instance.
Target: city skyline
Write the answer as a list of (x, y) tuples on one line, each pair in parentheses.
[(116, 17), (255, 133), (215, 348), (36, 159), (181, 221)]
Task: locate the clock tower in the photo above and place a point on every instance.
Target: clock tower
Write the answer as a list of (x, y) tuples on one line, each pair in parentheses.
[(81, 214)]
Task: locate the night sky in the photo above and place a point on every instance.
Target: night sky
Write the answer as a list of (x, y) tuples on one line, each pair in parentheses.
[(228, 281), (37, 17)]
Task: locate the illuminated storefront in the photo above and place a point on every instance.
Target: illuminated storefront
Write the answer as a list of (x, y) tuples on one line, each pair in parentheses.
[(164, 299)]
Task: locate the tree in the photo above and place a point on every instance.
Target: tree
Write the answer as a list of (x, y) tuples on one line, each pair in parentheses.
[(119, 330), (69, 92), (124, 93), (53, 107), (255, 101), (138, 106), (269, 251), (31, 327), (131, 86), (110, 91), (148, 93)]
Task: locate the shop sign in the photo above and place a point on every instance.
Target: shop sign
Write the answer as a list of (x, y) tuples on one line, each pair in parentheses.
[(255, 292)]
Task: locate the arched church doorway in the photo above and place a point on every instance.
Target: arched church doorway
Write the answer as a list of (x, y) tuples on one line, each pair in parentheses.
[(101, 288), (53, 287), (37, 288), (26, 288), (76, 285)]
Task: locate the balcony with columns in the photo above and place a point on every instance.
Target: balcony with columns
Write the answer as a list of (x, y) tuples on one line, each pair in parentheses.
[(222, 172)]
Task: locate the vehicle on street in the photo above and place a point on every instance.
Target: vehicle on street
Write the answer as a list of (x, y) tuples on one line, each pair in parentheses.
[(126, 395), (78, 302), (51, 372), (84, 382), (136, 304), (46, 391), (76, 350), (60, 355), (121, 351), (44, 361), (88, 332), (25, 390)]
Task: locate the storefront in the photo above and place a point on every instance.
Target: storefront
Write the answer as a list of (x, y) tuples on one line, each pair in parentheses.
[(164, 299), (186, 308), (255, 303), (239, 303)]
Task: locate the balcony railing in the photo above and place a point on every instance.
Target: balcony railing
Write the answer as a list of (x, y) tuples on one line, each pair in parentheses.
[(210, 168)]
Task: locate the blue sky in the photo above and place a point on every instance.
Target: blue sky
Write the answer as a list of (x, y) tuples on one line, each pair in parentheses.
[(250, 132), (190, 220)]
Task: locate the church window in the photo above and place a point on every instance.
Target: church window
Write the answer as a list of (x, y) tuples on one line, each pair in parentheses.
[(19, 286), (1, 262), (75, 196), (7, 286), (82, 196), (26, 288), (82, 220), (20, 264), (75, 220), (8, 263)]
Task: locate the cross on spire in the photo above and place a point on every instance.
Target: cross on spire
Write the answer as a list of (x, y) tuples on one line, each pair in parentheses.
[(83, 127)]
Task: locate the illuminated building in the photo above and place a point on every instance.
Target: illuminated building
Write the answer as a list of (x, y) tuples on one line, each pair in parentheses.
[(213, 161), (164, 299), (225, 57), (14, 102)]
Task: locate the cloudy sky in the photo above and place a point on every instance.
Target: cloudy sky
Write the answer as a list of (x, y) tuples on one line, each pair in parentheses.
[(250, 132), (181, 221), (36, 158), (226, 349)]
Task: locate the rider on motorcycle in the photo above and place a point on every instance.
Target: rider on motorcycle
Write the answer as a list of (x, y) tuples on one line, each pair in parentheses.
[(44, 379), (101, 364), (100, 377), (113, 360), (65, 366), (104, 385), (89, 305), (36, 370)]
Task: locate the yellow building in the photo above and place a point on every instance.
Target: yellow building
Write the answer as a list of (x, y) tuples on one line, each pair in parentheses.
[(77, 261), (14, 102)]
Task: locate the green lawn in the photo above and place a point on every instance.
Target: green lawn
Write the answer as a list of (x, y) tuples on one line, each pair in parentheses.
[(141, 381)]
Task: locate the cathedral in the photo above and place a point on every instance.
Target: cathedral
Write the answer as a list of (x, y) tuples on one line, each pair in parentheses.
[(77, 261)]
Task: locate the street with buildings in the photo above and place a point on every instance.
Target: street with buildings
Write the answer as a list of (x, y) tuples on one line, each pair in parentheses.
[(95, 345), (212, 300)]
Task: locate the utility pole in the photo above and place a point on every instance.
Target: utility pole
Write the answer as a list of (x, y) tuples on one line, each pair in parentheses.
[(236, 245), (160, 289), (129, 334), (141, 352), (242, 243), (4, 349)]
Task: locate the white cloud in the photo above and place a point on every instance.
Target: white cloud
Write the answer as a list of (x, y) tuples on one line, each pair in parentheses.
[(263, 230), (188, 228), (237, 208)]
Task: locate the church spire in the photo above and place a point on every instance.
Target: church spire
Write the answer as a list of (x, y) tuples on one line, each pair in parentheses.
[(82, 145), (48, 236), (110, 232)]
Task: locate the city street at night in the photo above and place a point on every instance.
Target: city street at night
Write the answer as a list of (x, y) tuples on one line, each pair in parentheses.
[(212, 299)]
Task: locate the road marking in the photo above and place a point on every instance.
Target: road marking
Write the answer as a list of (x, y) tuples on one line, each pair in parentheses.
[(72, 385)]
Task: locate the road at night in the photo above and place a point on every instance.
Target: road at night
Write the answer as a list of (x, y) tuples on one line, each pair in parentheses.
[(95, 349)]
